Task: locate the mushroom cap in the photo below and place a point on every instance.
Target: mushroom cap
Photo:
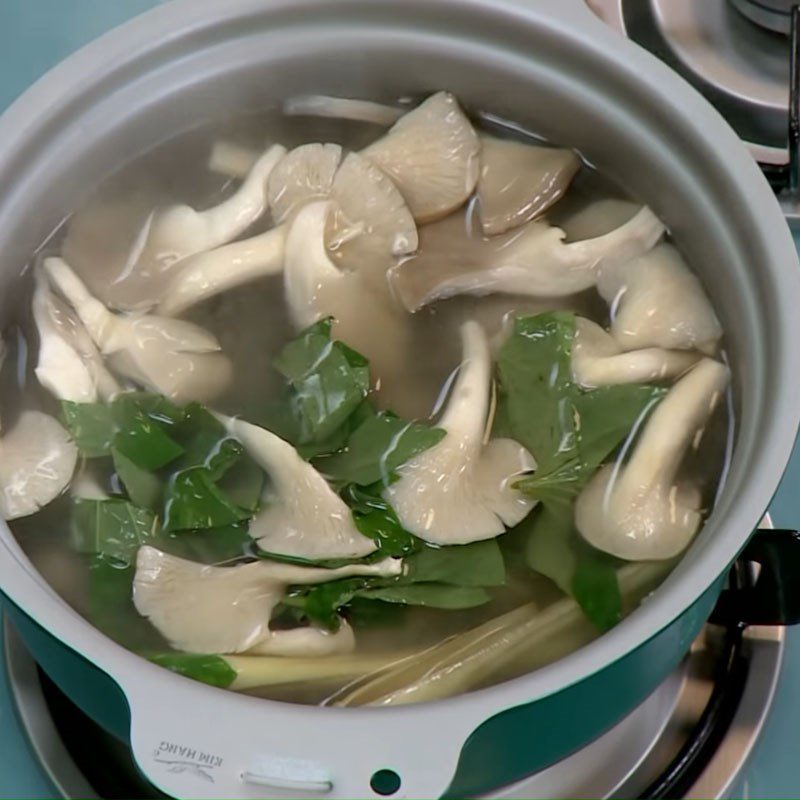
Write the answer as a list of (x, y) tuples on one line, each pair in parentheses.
[(598, 359), (60, 368), (432, 155), (653, 523), (201, 608), (37, 460), (305, 173), (204, 609), (518, 182), (370, 224), (301, 515), (170, 356), (460, 490), (659, 302), (530, 260)]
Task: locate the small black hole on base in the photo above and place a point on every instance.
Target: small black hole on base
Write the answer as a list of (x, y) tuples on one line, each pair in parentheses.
[(385, 782)]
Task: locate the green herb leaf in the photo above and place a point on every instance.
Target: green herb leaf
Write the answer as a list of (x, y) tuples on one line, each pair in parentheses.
[(194, 501), (321, 603), (570, 432), (329, 380), (433, 595), (208, 545), (114, 529), (91, 425), (143, 488), (375, 518), (378, 447), (243, 484), (140, 437), (210, 669), (476, 564), (596, 588)]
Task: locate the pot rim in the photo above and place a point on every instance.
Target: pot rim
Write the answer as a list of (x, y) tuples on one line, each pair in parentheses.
[(74, 78)]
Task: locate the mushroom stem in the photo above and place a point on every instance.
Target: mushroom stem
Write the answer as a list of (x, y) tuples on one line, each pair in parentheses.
[(231, 159), (205, 275), (673, 426), (598, 360), (468, 405), (218, 225), (93, 314), (319, 105), (308, 266)]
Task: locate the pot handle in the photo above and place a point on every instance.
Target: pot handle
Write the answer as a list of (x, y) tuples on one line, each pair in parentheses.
[(773, 597)]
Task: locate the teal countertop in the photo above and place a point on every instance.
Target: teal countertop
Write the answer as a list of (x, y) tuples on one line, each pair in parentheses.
[(35, 35)]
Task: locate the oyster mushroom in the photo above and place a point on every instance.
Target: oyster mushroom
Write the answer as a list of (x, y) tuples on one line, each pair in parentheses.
[(637, 511), (300, 514), (657, 301), (459, 490), (169, 356), (432, 155), (68, 365), (125, 249), (598, 360), (530, 260), (518, 182), (367, 227), (206, 609)]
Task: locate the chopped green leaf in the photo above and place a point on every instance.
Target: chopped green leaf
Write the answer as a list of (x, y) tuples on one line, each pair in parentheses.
[(143, 488), (375, 518), (476, 564), (433, 595), (208, 545), (243, 484), (155, 406), (329, 379), (91, 425), (570, 432), (194, 501), (378, 447), (113, 529), (210, 669), (141, 437), (536, 386), (596, 588), (321, 603)]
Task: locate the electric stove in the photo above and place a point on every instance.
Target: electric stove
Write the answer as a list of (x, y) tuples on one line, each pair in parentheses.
[(725, 723)]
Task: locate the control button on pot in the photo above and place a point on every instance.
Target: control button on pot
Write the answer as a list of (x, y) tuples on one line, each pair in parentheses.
[(281, 772)]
